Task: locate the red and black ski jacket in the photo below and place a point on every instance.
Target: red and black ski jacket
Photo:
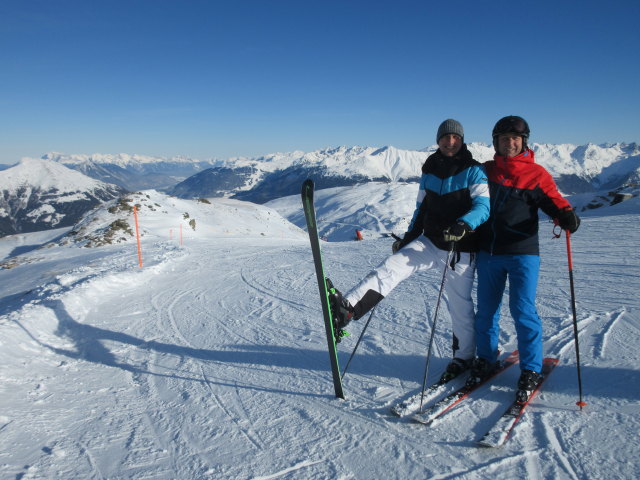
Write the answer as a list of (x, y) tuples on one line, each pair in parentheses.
[(518, 187)]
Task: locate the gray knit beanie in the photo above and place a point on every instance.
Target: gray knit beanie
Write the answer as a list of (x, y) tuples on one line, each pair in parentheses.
[(450, 126)]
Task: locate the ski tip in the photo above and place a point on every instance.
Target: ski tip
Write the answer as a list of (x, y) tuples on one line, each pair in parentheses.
[(420, 417), (307, 186)]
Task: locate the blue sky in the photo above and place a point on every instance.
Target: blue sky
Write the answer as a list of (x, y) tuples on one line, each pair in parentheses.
[(244, 78)]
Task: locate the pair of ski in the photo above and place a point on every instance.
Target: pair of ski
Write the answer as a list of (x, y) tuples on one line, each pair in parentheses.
[(497, 435)]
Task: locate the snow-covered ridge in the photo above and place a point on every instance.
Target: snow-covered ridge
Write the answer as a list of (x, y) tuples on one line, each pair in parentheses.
[(589, 156), (39, 194), (162, 217), (586, 161), (120, 159), (46, 175)]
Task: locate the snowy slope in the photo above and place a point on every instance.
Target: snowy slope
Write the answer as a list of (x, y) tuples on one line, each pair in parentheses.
[(210, 361), (375, 209), (165, 217)]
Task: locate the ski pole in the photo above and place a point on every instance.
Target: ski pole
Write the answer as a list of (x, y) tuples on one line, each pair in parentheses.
[(344, 372), (435, 319), (580, 403)]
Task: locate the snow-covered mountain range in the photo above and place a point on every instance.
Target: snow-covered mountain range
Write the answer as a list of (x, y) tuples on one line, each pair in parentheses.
[(40, 195), (133, 172), (577, 169)]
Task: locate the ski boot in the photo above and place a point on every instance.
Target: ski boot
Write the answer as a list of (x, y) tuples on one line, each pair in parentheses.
[(527, 383), (455, 368), (480, 370), (341, 311)]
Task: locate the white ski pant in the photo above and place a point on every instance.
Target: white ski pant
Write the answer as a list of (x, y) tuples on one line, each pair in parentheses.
[(421, 255)]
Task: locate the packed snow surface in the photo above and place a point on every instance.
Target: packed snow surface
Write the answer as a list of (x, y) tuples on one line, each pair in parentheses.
[(210, 361)]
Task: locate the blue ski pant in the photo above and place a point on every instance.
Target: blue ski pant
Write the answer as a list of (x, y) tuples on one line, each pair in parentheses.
[(522, 273)]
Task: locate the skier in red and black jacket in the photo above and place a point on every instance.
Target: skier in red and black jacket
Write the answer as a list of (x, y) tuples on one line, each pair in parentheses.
[(509, 248)]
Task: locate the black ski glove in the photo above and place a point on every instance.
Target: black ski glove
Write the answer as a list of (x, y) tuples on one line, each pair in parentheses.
[(401, 242), (568, 220), (455, 232)]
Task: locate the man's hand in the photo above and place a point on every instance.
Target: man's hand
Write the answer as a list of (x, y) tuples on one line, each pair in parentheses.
[(455, 232), (399, 243), (568, 220)]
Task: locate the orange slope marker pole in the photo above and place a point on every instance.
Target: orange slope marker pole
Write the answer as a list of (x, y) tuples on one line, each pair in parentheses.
[(135, 216)]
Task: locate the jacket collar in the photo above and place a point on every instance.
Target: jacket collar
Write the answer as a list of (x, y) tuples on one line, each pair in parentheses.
[(462, 154)]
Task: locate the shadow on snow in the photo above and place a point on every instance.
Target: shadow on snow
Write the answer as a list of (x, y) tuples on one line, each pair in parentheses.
[(88, 341)]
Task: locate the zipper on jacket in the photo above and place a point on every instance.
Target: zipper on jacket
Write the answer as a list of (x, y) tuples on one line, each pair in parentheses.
[(499, 190)]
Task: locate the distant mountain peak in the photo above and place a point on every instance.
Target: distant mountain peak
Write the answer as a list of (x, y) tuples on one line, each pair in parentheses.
[(46, 175), (41, 194)]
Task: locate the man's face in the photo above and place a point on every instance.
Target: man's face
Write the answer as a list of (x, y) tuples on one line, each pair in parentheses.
[(450, 144), (509, 145)]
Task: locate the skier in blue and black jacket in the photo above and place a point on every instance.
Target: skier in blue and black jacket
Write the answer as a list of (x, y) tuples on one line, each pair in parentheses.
[(453, 200)]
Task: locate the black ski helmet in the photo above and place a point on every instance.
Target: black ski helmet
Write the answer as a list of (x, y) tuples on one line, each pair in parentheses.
[(511, 124)]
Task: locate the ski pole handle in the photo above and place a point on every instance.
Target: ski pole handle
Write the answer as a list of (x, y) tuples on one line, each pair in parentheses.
[(569, 255)]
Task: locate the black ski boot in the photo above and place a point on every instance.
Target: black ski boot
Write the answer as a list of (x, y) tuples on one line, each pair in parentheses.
[(341, 309), (480, 370), (527, 383), (455, 368)]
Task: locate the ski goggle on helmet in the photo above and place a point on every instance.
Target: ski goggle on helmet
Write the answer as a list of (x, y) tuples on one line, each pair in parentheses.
[(511, 124)]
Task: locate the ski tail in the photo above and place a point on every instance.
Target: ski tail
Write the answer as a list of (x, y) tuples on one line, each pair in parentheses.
[(447, 403), (498, 434), (412, 403)]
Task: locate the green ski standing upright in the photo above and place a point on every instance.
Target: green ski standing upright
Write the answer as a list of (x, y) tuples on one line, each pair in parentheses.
[(312, 228)]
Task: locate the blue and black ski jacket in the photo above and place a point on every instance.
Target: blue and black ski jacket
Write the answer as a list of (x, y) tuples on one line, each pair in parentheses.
[(451, 189)]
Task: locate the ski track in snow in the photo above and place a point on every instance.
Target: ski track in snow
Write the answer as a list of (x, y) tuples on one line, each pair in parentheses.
[(601, 345), (559, 448), (287, 470)]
